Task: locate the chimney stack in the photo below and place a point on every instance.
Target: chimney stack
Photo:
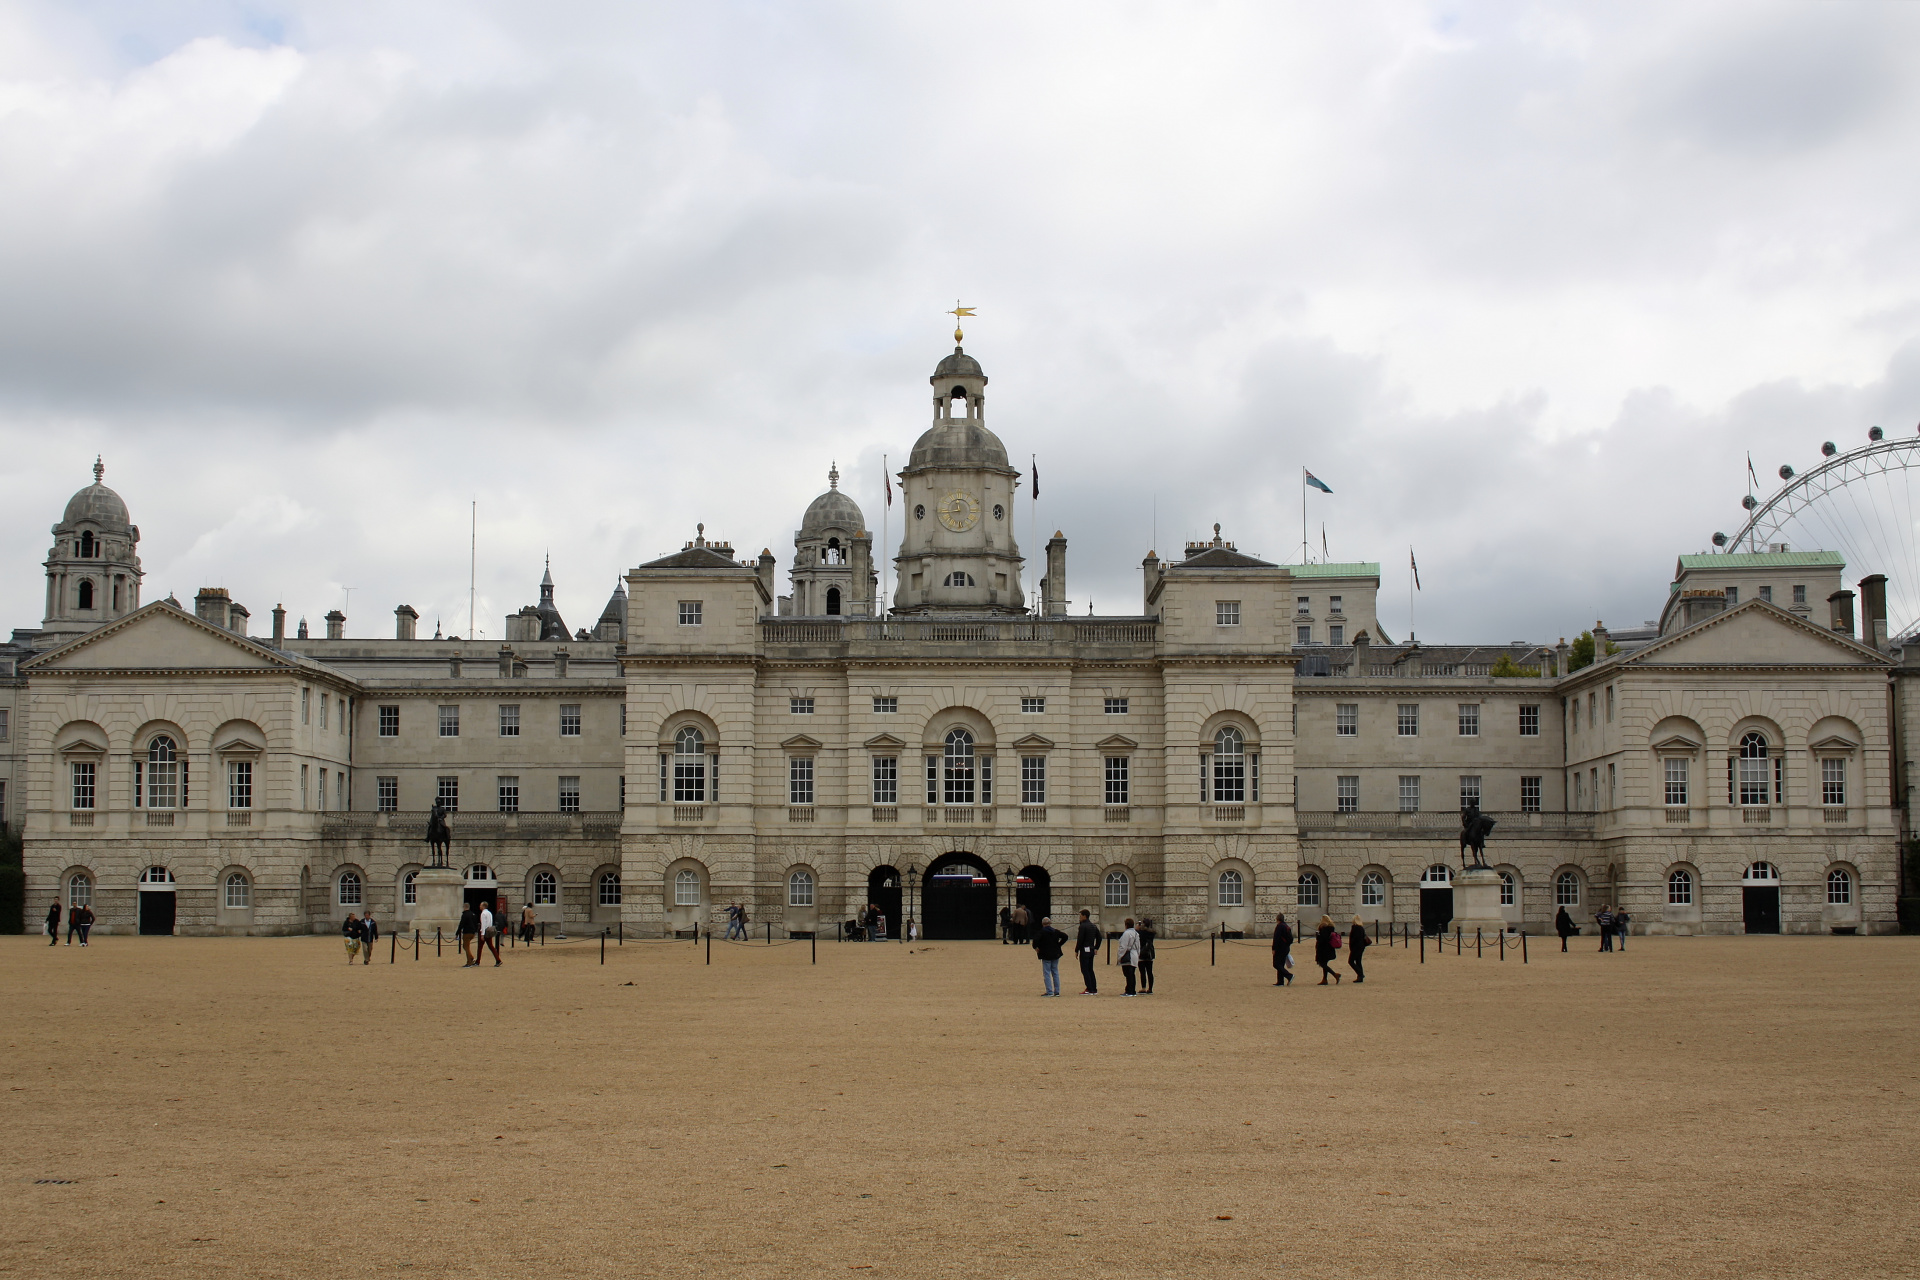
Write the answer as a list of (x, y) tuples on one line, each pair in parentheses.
[(506, 662), (560, 657), (279, 626), (211, 606), (1053, 587), (404, 619), (1840, 609), (336, 625), (237, 616), (1873, 610)]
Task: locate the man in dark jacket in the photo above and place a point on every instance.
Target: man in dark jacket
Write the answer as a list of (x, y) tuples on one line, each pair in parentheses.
[(1047, 944), (1006, 925), (1087, 946), (369, 934), (1282, 949), (469, 926), (53, 924), (1564, 926)]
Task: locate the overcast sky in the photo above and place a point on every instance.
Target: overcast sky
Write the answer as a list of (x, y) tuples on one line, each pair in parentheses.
[(1522, 283)]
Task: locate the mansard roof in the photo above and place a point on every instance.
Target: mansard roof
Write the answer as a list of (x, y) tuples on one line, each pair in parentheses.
[(695, 558), (1222, 558)]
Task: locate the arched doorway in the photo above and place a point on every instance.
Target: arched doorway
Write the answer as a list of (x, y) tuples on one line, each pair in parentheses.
[(961, 899), (482, 886), (1760, 898), (1436, 898), (1033, 889), (157, 901), (883, 891)]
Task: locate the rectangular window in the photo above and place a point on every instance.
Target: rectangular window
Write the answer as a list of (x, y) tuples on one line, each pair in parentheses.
[(6, 727), (623, 793), (1530, 721), (1766, 593), (1612, 786), (1676, 783), (1593, 710), (303, 787), (1226, 613), (1336, 634), (84, 775), (1409, 793), (509, 719), (933, 779), (1753, 780), (886, 706), (321, 797), (1733, 596), (323, 711), (1408, 720), (389, 722), (1033, 779), (509, 795), (1303, 634), (387, 791), (1609, 704), (800, 780), (1800, 595), (1333, 604), (1116, 706), (1302, 605), (1507, 888), (239, 784), (1347, 792), (306, 700), (1469, 790), (1833, 783), (1033, 706), (1346, 720), (1469, 719), (689, 776), (569, 719), (1117, 789), (569, 795), (886, 780), (340, 790), (690, 613), (1229, 778), (800, 706), (450, 721), (623, 719), (1576, 715), (447, 792), (1530, 795), (986, 779)]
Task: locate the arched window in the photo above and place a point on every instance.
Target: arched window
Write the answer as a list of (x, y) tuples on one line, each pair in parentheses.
[(79, 890), (1679, 887), (1509, 889), (1373, 889), (833, 601), (156, 875), (546, 889), (1762, 872), (163, 774), (1839, 888), (1229, 767), (480, 873), (689, 766), (957, 774), (1119, 889), (686, 887), (1306, 890), (1437, 876), (800, 889), (1232, 889), (609, 888), (86, 594), (834, 555), (1754, 770), (350, 888), (959, 580), (1566, 890), (88, 547), (409, 891), (239, 892)]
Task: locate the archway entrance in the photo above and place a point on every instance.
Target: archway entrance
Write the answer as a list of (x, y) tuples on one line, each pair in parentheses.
[(961, 900), (1760, 898), (1033, 889), (1436, 898), (157, 901), (482, 887), (883, 891)]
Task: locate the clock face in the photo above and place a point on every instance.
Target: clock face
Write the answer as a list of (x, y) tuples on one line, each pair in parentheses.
[(959, 511)]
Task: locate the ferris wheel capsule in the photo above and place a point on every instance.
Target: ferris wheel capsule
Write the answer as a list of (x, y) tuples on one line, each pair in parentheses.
[(1828, 449), (1749, 502), (1875, 433), (1719, 539), (1786, 472)]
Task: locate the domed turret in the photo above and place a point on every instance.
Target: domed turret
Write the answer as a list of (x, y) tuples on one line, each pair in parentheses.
[(93, 571), (959, 435), (832, 556), (833, 510), (98, 504)]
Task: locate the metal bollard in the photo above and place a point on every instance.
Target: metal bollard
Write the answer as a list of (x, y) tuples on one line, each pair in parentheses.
[(393, 946), (1456, 939), (436, 944), (1213, 945), (623, 933), (696, 929), (603, 946), (1423, 944), (543, 933), (813, 945), (416, 945), (1523, 946), (1476, 944), (1503, 944)]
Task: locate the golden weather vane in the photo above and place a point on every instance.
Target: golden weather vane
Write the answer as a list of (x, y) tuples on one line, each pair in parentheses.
[(959, 313)]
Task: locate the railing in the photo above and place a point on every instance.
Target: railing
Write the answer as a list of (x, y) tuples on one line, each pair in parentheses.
[(1118, 813), (804, 632), (957, 631), (1510, 822), (1754, 817), (163, 819), (800, 813), (78, 819), (1680, 815), (239, 817), (412, 825), (689, 812), (951, 813), (1033, 813), (886, 813), (1229, 813), (1833, 815)]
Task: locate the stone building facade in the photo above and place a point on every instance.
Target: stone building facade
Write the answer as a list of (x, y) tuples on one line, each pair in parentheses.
[(1248, 742)]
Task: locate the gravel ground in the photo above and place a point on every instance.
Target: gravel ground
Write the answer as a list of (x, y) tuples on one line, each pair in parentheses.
[(255, 1107)]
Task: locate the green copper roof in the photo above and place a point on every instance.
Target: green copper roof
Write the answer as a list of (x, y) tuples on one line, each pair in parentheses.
[(1356, 569), (1766, 560)]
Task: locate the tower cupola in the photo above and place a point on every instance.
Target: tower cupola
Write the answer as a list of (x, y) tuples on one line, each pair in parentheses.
[(93, 568)]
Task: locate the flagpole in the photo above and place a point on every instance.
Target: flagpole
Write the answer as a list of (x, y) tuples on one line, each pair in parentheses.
[(886, 511), (1303, 515), (1412, 635)]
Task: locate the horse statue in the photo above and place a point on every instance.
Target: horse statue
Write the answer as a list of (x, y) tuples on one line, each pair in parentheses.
[(439, 835), (1474, 828)]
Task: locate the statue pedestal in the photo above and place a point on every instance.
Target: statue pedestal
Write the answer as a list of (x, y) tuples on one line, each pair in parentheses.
[(439, 896), (1476, 901)]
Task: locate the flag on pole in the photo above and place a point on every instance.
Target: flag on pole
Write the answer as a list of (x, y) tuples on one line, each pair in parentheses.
[(886, 478), (1324, 553), (1752, 478), (1033, 465), (1416, 568), (1316, 481)]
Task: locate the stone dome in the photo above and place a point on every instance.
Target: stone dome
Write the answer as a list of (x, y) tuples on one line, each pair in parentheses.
[(958, 442), (833, 510), (98, 504), (959, 365)]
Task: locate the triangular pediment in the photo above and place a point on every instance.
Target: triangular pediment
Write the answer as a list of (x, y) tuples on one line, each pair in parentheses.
[(1117, 742), (1834, 742), (1756, 633), (885, 740), (159, 636), (1678, 742), (801, 742), (1033, 740)]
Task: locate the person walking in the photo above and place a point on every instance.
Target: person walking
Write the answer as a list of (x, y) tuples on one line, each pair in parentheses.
[(469, 925), (1022, 924), (369, 934), (1357, 942), (1048, 942), (79, 919), (1006, 926), (1564, 926), (529, 922), (1604, 918), (489, 933), (1086, 945), (1282, 951), (350, 931), (1129, 955), (737, 921), (1326, 945), (1147, 939), (1620, 922), (53, 924)]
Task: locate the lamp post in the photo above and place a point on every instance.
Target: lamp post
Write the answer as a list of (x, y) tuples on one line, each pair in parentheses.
[(913, 874)]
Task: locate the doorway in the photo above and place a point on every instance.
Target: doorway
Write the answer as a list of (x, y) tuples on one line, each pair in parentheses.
[(1760, 898), (961, 899), (883, 891), (1436, 898), (156, 912), (1033, 889)]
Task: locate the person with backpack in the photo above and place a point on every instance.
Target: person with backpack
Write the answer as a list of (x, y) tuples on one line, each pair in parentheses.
[(1326, 946), (1564, 926), (1282, 951), (1147, 939), (1086, 945), (1048, 942), (1129, 955), (1357, 942)]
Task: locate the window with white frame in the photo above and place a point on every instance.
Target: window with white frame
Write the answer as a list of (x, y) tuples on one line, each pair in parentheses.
[(1118, 787), (410, 889), (1437, 876), (886, 706), (1336, 634), (623, 719), (509, 720), (569, 719), (509, 794), (323, 710), (1530, 720), (306, 705), (546, 889), (1303, 605), (303, 785), (1407, 720), (1409, 793), (163, 775), (6, 721), (1033, 779), (569, 793), (1676, 791), (1333, 604), (886, 780), (1753, 769), (686, 887), (1033, 706), (1226, 613), (1373, 889), (1566, 890), (1119, 889), (689, 766), (447, 792), (79, 890), (1530, 794), (1469, 790), (239, 892), (1833, 783), (1509, 889), (609, 887), (450, 720), (1231, 889), (350, 889), (1303, 634), (1229, 766), (322, 792), (1346, 789), (1116, 706), (1306, 890), (1469, 719), (239, 784), (389, 721), (1679, 887), (690, 613), (800, 780), (85, 774), (1346, 720), (800, 706), (957, 767), (1839, 888), (800, 889)]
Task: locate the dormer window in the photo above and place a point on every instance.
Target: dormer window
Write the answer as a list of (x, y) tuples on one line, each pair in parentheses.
[(959, 580)]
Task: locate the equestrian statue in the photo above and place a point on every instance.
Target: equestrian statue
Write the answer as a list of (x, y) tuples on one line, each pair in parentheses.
[(439, 835), (1474, 827)]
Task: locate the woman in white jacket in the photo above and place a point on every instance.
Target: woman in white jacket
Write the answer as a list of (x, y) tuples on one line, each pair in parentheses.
[(1129, 954)]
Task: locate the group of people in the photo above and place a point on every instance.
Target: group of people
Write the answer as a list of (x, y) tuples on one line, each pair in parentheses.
[(1613, 922), (1016, 925), (79, 920), (869, 924), (1136, 946), (478, 931), (1327, 943), (360, 933), (736, 922)]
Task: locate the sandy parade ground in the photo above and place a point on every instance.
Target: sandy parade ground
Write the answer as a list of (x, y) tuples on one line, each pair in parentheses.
[(230, 1106)]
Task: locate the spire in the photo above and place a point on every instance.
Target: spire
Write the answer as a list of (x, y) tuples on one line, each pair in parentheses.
[(99, 468), (833, 476)]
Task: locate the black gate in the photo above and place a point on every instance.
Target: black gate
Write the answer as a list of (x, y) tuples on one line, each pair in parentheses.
[(156, 912), (1436, 909), (1760, 908), (961, 899), (883, 891)]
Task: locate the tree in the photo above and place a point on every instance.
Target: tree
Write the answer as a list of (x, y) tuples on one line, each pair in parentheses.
[(1508, 668), (1582, 654)]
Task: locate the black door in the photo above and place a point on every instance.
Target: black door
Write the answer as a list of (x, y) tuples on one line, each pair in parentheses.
[(1037, 895), (961, 899), (883, 891), (156, 913), (1436, 909), (1761, 909)]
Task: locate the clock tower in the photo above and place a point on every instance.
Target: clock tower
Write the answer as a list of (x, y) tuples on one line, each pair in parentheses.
[(958, 554)]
